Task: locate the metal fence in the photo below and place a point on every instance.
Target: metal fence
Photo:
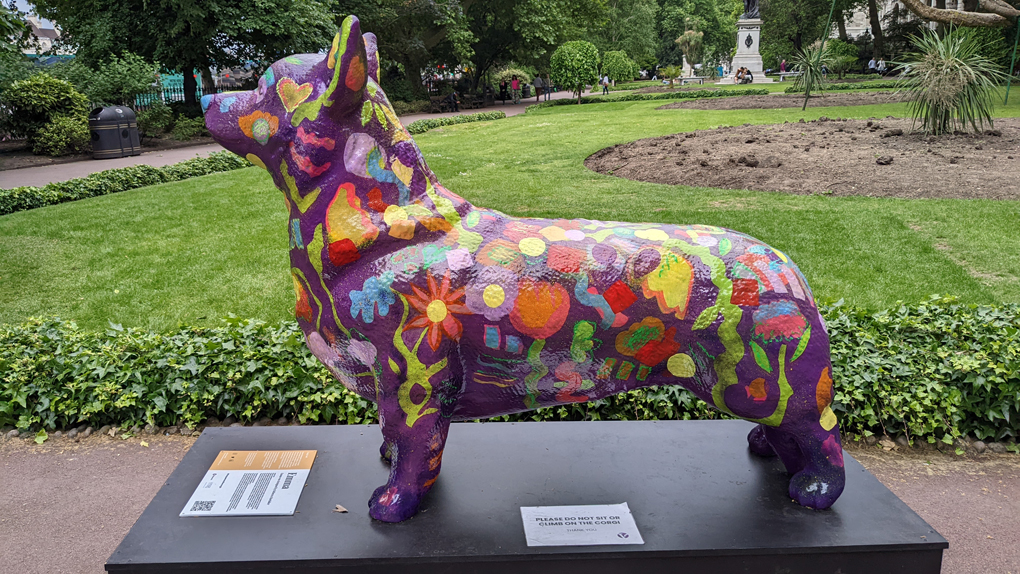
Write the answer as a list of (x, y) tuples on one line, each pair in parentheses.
[(168, 94)]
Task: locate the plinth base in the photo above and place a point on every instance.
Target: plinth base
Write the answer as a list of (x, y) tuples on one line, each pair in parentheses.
[(702, 502)]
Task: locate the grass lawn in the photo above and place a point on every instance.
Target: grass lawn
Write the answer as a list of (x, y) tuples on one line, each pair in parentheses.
[(196, 250)]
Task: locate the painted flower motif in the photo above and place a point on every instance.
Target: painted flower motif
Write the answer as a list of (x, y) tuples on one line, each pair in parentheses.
[(779, 321), (437, 309), (492, 293), (374, 293), (541, 308), (259, 126)]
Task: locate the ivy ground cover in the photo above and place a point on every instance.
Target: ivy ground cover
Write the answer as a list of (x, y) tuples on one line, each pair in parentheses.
[(193, 251)]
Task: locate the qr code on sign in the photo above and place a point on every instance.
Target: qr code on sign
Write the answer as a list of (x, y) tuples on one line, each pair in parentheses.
[(203, 506)]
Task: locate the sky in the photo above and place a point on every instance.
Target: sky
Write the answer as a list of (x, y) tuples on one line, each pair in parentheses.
[(24, 6)]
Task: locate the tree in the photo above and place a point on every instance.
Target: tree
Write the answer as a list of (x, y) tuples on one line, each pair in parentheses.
[(629, 26), (691, 43), (716, 19), (575, 64), (789, 26), (996, 13), (876, 29), (116, 81), (618, 66), (192, 34)]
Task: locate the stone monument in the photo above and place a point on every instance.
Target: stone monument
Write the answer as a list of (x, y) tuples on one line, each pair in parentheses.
[(748, 41), (440, 311)]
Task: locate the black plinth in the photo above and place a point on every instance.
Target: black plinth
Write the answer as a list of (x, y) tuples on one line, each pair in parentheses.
[(703, 503)]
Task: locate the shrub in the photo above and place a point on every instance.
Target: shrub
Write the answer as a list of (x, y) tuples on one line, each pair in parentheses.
[(949, 82), (618, 66), (422, 126), (157, 120), (809, 62), (935, 370), (877, 85), (691, 95), (63, 135), (187, 128), (415, 107), (115, 180), (575, 64), (34, 102), (508, 72), (115, 81)]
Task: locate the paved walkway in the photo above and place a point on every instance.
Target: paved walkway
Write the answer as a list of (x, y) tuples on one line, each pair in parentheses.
[(39, 176), (65, 506)]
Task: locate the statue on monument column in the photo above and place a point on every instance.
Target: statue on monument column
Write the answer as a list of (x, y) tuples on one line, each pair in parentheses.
[(750, 10)]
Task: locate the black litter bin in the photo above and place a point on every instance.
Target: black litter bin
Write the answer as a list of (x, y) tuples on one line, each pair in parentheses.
[(114, 132)]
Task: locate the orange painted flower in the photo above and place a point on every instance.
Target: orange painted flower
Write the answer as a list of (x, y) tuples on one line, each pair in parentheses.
[(437, 309), (259, 126), (541, 308)]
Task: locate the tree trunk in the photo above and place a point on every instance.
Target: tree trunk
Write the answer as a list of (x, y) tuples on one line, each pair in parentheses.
[(876, 29), (208, 83), (841, 25), (190, 86), (412, 73)]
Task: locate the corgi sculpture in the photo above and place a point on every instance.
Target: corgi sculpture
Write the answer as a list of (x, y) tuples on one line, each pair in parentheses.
[(438, 310)]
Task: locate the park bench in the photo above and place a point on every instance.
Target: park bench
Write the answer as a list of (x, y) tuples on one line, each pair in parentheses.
[(698, 79), (782, 75)]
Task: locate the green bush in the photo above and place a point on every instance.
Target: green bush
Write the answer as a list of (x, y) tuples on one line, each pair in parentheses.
[(157, 120), (877, 85), (618, 66), (691, 95), (422, 126), (935, 370), (63, 135), (575, 64), (116, 81), (187, 128), (950, 82), (115, 180), (33, 103), (415, 107)]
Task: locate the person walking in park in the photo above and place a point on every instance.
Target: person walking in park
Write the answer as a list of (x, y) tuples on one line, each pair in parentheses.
[(782, 66), (872, 67), (605, 85), (503, 90), (548, 87), (538, 88), (515, 89)]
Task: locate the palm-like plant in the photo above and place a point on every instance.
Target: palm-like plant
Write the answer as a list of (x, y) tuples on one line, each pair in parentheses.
[(949, 82), (809, 62)]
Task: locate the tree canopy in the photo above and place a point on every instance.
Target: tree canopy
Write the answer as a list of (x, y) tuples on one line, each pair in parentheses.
[(191, 34), (575, 64), (716, 19)]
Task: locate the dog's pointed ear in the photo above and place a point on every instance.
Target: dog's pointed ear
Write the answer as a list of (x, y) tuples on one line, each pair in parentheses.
[(372, 54), (347, 63)]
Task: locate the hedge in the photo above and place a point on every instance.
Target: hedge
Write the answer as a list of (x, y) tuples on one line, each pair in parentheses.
[(691, 95), (844, 87), (934, 370), (422, 126), (115, 180)]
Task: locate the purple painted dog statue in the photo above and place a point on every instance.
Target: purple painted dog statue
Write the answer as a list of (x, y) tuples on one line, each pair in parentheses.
[(438, 310)]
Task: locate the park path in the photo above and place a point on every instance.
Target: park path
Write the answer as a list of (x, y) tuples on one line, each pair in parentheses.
[(64, 506), (41, 175)]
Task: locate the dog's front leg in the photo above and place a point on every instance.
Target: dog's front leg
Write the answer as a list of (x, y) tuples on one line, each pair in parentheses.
[(415, 405)]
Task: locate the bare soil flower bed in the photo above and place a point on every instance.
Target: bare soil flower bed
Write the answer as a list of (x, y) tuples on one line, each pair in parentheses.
[(878, 158), (775, 101)]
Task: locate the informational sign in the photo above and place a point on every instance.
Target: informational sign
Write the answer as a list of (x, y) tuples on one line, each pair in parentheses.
[(580, 525), (252, 483)]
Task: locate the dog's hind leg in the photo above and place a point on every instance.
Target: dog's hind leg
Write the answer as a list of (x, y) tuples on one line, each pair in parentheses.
[(757, 442), (814, 458)]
